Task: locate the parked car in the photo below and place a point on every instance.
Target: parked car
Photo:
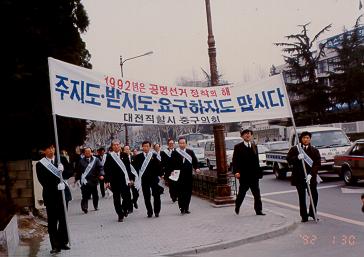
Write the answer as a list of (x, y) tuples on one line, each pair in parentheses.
[(210, 155), (350, 165), (262, 149)]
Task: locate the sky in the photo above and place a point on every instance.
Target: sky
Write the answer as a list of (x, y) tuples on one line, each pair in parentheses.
[(176, 32)]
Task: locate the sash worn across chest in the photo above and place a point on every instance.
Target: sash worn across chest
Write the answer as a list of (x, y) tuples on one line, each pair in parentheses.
[(184, 155), (121, 165), (145, 164), (169, 153), (49, 166), (137, 181), (87, 171), (306, 158)]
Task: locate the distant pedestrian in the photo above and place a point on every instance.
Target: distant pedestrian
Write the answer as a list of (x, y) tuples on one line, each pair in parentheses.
[(48, 172), (117, 178), (247, 169), (149, 168), (89, 171), (298, 179), (184, 160), (362, 200)]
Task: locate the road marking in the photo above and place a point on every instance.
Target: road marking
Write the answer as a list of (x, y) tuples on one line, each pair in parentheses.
[(352, 190), (294, 191), (324, 214)]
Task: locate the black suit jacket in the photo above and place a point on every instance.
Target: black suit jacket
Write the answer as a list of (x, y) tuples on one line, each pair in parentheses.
[(49, 182), (114, 174), (94, 174), (185, 167), (246, 162), (298, 175), (153, 170)]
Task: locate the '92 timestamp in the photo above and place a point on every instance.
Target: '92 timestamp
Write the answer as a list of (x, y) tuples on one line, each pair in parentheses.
[(343, 240)]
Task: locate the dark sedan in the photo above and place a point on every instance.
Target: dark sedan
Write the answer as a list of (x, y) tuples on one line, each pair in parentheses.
[(350, 165)]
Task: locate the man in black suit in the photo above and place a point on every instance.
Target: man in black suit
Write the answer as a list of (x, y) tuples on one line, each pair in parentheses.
[(168, 168), (298, 178), (89, 171), (117, 178), (133, 178), (247, 169), (185, 161), (48, 172), (102, 157), (149, 168)]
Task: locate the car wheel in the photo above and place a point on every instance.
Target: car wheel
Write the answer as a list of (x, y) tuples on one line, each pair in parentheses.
[(348, 177), (277, 172)]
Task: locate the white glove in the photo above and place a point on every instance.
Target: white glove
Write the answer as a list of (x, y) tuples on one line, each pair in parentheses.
[(308, 178), (61, 186), (60, 167), (300, 156)]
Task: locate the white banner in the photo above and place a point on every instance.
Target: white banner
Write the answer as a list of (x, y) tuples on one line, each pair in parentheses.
[(83, 93)]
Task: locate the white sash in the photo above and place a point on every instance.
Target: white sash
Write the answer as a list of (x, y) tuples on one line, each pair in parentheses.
[(121, 165), (87, 171), (169, 153), (137, 182), (145, 163), (46, 163), (184, 154), (103, 160), (306, 158), (159, 157)]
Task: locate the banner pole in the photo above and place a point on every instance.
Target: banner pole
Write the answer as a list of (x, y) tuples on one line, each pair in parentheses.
[(300, 150), (58, 156)]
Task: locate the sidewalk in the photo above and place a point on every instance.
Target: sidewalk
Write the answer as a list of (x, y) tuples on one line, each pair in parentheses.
[(206, 229)]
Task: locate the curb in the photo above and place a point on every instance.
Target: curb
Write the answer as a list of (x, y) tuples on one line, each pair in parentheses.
[(290, 226)]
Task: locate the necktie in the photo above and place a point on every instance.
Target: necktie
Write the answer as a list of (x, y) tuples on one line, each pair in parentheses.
[(52, 161)]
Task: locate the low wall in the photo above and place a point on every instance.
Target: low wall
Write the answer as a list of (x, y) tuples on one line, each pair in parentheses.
[(9, 238)]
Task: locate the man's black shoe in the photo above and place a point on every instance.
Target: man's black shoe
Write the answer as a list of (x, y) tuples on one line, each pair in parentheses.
[(304, 219), (55, 250), (260, 213), (85, 211), (120, 219), (65, 247), (157, 215), (237, 209), (183, 211), (136, 205), (96, 209), (187, 212), (149, 215)]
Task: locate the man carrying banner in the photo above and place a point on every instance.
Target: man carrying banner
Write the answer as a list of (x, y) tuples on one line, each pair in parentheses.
[(89, 171), (117, 177), (312, 159), (184, 161), (247, 169), (102, 157), (48, 173), (168, 168), (135, 185), (150, 169)]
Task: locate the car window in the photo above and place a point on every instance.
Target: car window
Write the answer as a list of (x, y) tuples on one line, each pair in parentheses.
[(262, 149), (358, 149), (230, 144)]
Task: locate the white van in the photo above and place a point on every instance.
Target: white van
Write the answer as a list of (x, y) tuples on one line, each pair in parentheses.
[(210, 155)]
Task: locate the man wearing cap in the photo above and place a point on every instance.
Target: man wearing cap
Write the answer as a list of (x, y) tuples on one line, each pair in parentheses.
[(247, 169), (298, 179), (48, 172), (89, 171)]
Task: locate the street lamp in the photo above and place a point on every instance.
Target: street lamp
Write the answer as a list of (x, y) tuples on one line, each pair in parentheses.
[(122, 75), (223, 190)]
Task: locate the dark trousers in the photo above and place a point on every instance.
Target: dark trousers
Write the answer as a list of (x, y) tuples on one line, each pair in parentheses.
[(254, 188), (147, 188), (172, 185), (121, 192), (102, 188), (301, 189), (57, 228), (135, 194), (87, 191), (184, 193)]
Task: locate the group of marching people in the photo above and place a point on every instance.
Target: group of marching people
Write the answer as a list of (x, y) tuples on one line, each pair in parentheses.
[(120, 171)]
